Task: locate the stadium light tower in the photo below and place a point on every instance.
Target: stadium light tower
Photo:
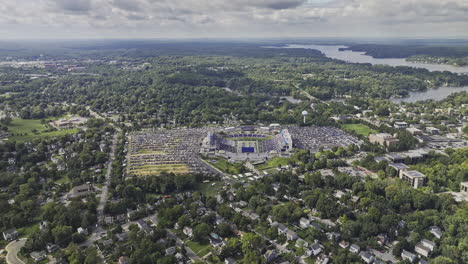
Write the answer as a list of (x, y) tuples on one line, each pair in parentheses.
[(304, 114)]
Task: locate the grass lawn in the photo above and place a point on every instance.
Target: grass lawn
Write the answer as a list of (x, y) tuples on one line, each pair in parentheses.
[(21, 130), (158, 169), (199, 249), (226, 166), (359, 128), (208, 189), (273, 163), (28, 230), (62, 180)]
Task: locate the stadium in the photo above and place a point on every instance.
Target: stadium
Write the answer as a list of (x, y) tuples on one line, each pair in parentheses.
[(248, 144)]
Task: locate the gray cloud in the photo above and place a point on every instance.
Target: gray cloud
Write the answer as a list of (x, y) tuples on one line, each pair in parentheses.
[(78, 6), (129, 5), (231, 18), (279, 4)]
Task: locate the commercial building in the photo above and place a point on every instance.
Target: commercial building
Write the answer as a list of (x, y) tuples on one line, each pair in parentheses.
[(432, 131), (414, 131), (464, 187), (414, 178), (400, 125), (383, 139)]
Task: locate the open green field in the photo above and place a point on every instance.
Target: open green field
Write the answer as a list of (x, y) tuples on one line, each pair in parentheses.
[(226, 166), (209, 188), (199, 249), (273, 163), (147, 170), (359, 128), (248, 138), (22, 130)]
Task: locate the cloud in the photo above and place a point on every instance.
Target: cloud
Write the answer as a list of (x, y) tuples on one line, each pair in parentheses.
[(77, 6), (129, 5), (220, 18), (278, 4)]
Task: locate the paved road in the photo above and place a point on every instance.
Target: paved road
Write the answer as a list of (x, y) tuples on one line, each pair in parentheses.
[(105, 188), (13, 248), (179, 242), (192, 256)]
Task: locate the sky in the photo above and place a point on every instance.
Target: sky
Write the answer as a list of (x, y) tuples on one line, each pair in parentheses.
[(153, 19)]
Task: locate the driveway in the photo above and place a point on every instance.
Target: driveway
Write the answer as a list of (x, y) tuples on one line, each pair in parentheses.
[(13, 248)]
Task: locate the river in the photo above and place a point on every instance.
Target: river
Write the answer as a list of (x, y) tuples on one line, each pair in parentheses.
[(435, 94), (332, 51)]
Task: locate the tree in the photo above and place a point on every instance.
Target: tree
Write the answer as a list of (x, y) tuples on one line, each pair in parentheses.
[(251, 243), (62, 235), (184, 221), (201, 232)]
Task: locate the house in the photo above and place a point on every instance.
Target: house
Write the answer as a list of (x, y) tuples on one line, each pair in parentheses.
[(301, 243), (282, 229), (322, 259), (254, 216), (333, 236), (355, 248), (316, 225), (304, 222), (179, 257), (344, 244), (229, 261), (188, 231), (108, 220), (122, 237), (366, 257), (436, 231), (270, 256), (382, 239), (124, 260), (314, 250), (422, 250), (80, 191), (406, 255), (82, 231), (215, 240), (144, 226), (170, 251), (429, 244), (424, 247), (291, 235), (38, 255), (10, 234), (51, 248), (42, 225)]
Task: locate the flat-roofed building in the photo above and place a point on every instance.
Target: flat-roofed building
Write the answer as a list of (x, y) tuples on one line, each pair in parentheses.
[(432, 130), (464, 187), (383, 139), (400, 125), (82, 190), (399, 167), (395, 157), (414, 131), (414, 178)]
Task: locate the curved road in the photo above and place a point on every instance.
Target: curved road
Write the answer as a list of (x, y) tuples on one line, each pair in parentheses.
[(13, 248)]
